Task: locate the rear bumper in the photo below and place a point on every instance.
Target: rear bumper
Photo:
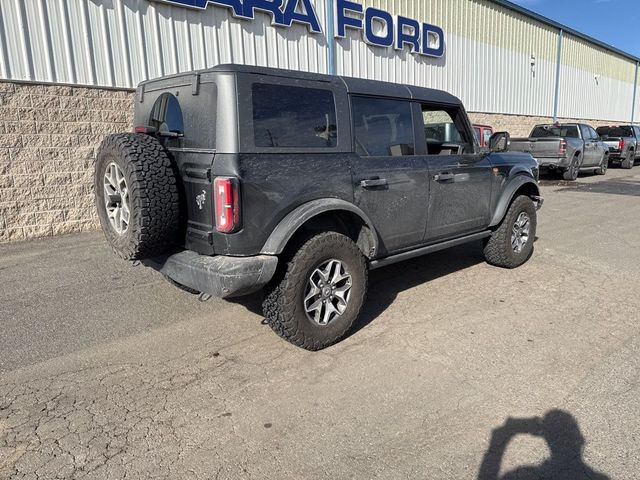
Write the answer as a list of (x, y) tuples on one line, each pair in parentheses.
[(219, 276), (553, 162)]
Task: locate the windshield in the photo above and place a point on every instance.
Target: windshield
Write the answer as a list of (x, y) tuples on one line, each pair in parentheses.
[(542, 131), (614, 132)]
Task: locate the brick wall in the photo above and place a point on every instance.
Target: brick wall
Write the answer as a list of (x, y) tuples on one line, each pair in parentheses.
[(521, 125), (48, 139)]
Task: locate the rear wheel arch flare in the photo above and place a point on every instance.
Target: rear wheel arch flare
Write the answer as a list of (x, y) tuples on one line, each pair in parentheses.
[(324, 215)]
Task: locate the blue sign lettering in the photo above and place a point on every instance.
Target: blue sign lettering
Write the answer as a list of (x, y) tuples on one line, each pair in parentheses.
[(378, 27), (282, 17)]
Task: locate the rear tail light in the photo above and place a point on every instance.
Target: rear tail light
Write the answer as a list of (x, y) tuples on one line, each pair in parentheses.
[(621, 144), (563, 147), (227, 204)]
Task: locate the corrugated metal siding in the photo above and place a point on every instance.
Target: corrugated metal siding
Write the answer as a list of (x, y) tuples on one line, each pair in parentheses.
[(487, 61), (119, 43), (594, 83)]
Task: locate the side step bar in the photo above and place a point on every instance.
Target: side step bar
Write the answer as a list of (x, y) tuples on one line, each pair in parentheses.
[(400, 257)]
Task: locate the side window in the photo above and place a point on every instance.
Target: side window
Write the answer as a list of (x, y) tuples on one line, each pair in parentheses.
[(382, 128), (166, 115), (594, 134), (442, 131), (286, 116), (637, 129), (585, 132), (487, 136)]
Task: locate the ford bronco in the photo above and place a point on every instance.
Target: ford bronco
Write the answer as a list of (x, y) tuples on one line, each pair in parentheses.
[(239, 179)]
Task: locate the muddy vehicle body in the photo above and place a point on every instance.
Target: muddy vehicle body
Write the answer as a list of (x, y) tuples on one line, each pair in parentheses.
[(244, 178)]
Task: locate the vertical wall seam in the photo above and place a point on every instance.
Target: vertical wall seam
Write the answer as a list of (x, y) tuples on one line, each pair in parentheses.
[(635, 96), (331, 39), (556, 96)]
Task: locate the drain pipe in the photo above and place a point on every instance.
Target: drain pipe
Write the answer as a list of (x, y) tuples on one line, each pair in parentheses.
[(556, 98), (635, 96), (331, 38)]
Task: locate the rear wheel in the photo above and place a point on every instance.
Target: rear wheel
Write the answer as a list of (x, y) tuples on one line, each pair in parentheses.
[(511, 244), (318, 293), (630, 160), (571, 173)]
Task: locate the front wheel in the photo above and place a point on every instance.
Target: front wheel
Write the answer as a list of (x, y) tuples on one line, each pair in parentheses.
[(318, 293), (511, 244)]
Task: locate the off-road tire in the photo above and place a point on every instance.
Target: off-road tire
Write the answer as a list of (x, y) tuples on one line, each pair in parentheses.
[(604, 166), (571, 173), (153, 195), (497, 248), (182, 287), (283, 304), (630, 161)]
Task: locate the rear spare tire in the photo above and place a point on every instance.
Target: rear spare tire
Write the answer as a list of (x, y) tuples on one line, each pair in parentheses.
[(136, 195)]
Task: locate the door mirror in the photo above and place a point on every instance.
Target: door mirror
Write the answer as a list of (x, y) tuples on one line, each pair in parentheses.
[(499, 142)]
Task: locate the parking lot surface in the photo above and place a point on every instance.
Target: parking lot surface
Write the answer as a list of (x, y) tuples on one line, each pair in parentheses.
[(458, 370)]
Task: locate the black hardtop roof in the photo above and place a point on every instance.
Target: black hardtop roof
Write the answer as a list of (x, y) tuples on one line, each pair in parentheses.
[(353, 85)]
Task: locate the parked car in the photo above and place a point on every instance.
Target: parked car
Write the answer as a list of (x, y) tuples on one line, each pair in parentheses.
[(566, 148), (623, 142), (245, 178), (483, 134)]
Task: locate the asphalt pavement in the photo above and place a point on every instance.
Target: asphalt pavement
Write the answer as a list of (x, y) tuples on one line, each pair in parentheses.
[(458, 370)]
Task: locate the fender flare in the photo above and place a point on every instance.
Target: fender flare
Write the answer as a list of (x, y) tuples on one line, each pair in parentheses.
[(290, 224), (507, 196)]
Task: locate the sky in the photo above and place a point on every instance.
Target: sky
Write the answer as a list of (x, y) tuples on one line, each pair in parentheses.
[(616, 22)]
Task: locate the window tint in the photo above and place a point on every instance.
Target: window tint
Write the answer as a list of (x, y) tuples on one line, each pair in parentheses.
[(614, 131), (166, 115), (542, 131), (287, 116), (383, 127)]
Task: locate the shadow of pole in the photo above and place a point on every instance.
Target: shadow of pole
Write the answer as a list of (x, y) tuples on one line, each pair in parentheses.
[(561, 432)]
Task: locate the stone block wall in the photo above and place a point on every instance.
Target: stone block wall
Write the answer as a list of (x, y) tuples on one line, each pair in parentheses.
[(48, 139), (521, 125)]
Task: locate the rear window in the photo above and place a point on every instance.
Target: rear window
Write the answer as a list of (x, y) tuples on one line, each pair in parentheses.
[(542, 131), (166, 115), (287, 116), (614, 132)]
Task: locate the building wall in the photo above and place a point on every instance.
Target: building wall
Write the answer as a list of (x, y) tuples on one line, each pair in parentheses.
[(48, 138)]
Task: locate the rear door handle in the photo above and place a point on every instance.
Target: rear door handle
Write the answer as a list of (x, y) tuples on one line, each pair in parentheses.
[(444, 177), (374, 182)]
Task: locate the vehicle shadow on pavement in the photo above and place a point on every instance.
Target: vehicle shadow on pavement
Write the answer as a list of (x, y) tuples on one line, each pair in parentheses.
[(562, 434), (611, 187), (386, 283)]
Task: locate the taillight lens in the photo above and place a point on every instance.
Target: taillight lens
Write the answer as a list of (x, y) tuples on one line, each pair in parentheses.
[(563, 147), (227, 204), (621, 144)]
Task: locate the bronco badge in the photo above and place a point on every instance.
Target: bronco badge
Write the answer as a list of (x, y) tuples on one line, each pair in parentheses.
[(201, 199)]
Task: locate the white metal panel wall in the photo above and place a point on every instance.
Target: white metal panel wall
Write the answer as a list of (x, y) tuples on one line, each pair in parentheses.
[(119, 43), (594, 83)]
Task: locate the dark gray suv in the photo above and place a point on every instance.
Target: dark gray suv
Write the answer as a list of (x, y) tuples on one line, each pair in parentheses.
[(240, 178)]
